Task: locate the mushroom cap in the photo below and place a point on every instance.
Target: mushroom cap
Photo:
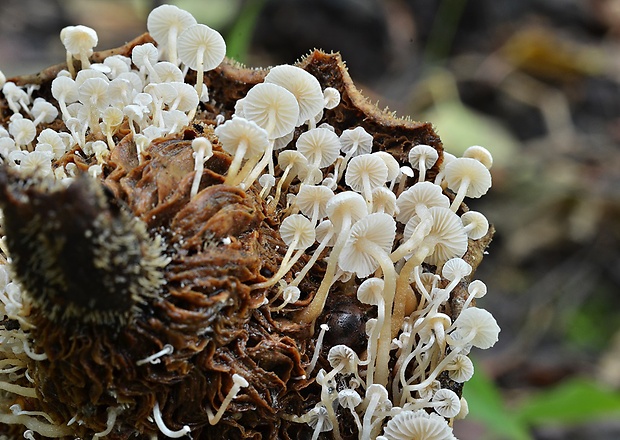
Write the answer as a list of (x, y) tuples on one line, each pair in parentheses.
[(346, 203), (331, 97), (94, 91), (270, 105), (78, 39), (142, 53), (237, 130), (455, 268), (481, 154), (320, 146), (324, 228), (422, 193), (85, 74), (168, 72), (310, 196), (477, 288), (390, 162), (357, 138), (449, 403), (349, 398), (463, 168), (303, 85), (291, 294), (419, 424), (446, 234), (186, 96), (319, 413), (377, 228), (425, 153), (461, 369), (294, 159), (385, 199), (65, 89), (366, 167), (377, 390), (42, 107), (371, 291), (297, 225), (201, 38), (112, 116), (476, 224), (23, 130), (481, 323), (163, 18), (240, 381), (343, 354)]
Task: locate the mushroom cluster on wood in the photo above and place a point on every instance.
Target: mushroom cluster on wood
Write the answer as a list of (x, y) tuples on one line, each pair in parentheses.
[(232, 225)]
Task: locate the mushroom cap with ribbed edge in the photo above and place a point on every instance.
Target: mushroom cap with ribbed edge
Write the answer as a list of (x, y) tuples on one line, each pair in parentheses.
[(78, 39), (343, 354), (272, 107), (446, 234), (357, 138), (463, 168), (385, 199), (422, 193), (476, 223), (237, 130), (356, 256), (371, 291), (481, 323), (165, 17), (447, 403), (320, 146), (365, 167), (294, 159), (310, 196), (303, 85), (347, 203), (425, 153), (418, 424), (297, 225), (461, 369), (481, 154), (455, 268), (390, 162), (201, 38)]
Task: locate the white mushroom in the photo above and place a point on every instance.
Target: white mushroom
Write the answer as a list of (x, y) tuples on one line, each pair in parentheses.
[(202, 49), (467, 178), (165, 23)]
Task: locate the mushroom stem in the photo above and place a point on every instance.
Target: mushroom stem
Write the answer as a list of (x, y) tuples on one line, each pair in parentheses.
[(460, 194), (238, 383), (199, 81), (385, 335), (317, 304), (236, 162), (315, 256), (260, 166)]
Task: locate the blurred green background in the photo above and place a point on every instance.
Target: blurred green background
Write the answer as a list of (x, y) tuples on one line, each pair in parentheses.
[(537, 82)]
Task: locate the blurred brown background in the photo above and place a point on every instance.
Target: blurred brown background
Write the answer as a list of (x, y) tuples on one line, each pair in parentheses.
[(537, 82)]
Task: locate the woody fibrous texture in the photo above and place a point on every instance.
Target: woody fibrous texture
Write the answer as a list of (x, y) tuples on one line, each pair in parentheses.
[(134, 306)]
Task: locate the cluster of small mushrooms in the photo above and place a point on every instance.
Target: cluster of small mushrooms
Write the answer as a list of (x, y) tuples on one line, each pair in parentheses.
[(388, 232)]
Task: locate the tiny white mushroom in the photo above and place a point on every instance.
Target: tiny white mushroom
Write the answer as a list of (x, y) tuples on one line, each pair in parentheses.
[(481, 154), (476, 224), (238, 383), (303, 85), (165, 23), (202, 151), (421, 158), (79, 42), (162, 426), (202, 49), (467, 178)]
